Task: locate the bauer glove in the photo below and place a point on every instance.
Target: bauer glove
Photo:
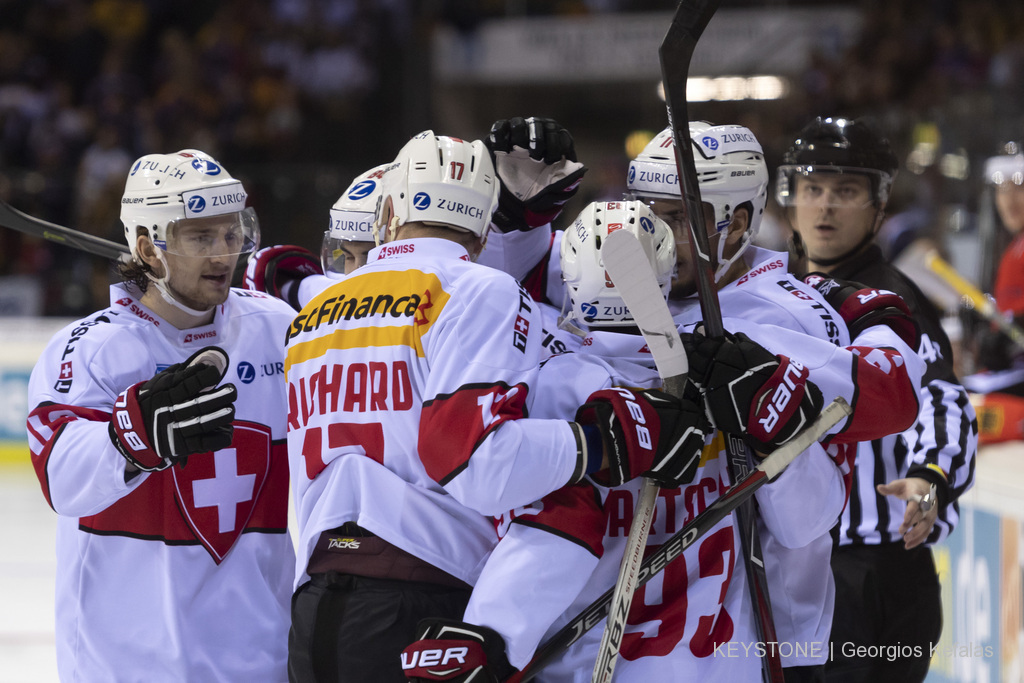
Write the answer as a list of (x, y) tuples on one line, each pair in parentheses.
[(535, 159), (645, 432), (862, 307), (750, 391), (277, 270), (456, 652), (180, 411)]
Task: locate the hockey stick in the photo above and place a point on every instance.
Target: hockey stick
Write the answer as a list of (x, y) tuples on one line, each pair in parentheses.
[(630, 270), (22, 222), (675, 53), (741, 491), (941, 282), (982, 304)]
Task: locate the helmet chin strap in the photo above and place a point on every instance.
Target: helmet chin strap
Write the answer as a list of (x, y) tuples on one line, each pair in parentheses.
[(165, 292), (393, 225)]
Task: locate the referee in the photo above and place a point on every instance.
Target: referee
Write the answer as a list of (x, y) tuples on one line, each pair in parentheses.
[(834, 183)]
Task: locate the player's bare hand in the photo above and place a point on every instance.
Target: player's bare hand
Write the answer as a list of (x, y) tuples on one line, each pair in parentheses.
[(922, 507)]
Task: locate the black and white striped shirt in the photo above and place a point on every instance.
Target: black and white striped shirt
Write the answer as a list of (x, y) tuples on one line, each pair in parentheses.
[(940, 447)]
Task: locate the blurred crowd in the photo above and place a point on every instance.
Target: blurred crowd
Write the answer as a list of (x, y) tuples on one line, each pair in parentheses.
[(288, 90), (87, 86)]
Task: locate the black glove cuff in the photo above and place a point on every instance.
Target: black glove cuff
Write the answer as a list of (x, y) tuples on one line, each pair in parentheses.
[(942, 488)]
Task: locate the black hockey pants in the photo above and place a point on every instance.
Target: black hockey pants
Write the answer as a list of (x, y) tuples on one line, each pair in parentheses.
[(888, 614)]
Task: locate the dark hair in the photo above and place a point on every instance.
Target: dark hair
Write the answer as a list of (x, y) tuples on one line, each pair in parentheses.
[(134, 273)]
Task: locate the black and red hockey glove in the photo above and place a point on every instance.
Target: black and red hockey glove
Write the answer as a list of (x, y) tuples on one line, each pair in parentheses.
[(178, 412), (862, 307), (535, 159), (277, 271), (750, 391), (456, 652), (645, 432)]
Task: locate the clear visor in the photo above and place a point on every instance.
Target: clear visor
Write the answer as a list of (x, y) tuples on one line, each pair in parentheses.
[(830, 186), (332, 258), (227, 234), (342, 255), (673, 213)]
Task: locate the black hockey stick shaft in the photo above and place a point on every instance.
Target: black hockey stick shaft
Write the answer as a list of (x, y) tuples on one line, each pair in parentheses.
[(22, 222), (694, 530), (675, 54)]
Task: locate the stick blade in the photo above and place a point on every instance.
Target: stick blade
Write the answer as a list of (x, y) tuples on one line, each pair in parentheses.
[(630, 271)]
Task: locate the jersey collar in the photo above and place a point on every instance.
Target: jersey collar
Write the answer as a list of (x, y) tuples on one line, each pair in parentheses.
[(125, 300), (419, 247)]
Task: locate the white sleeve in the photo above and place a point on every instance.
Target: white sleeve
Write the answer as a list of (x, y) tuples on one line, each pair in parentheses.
[(530, 579), (79, 469), (484, 357), (311, 285), (805, 501)]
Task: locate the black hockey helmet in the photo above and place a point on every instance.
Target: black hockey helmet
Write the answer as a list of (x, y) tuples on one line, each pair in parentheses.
[(838, 145)]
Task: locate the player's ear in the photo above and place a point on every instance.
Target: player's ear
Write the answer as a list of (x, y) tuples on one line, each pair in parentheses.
[(147, 251), (387, 214), (737, 228)]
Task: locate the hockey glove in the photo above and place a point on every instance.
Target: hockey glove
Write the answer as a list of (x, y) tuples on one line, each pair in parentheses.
[(646, 433), (277, 270), (180, 411), (536, 162), (862, 307), (456, 652), (750, 391)]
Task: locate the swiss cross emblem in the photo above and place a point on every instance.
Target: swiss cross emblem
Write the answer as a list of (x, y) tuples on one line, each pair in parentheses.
[(65, 370), (217, 491), (421, 310)]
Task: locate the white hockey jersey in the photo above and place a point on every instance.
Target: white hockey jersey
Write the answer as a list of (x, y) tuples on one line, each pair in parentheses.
[(409, 384), (311, 285), (877, 373), (560, 554), (184, 574), (553, 339)]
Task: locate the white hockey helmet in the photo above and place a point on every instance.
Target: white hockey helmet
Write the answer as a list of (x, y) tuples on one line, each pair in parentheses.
[(351, 218), (653, 173), (440, 180), (164, 191), (731, 172), (592, 298), (1007, 167)]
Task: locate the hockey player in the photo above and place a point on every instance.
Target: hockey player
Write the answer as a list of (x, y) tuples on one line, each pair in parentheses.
[(563, 552), (293, 274), (409, 386), (157, 431), (755, 288), (834, 183)]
